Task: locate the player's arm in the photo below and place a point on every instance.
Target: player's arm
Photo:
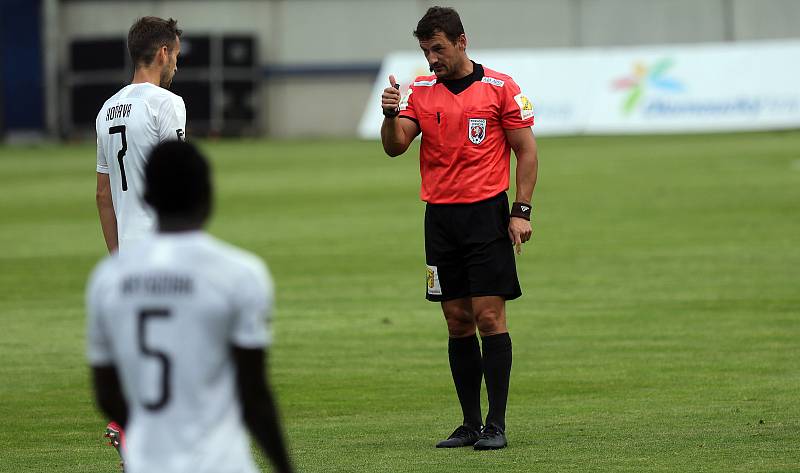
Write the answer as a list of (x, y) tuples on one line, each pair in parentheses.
[(523, 143), (258, 403), (108, 394), (250, 338), (105, 208), (105, 381), (397, 132), (172, 119)]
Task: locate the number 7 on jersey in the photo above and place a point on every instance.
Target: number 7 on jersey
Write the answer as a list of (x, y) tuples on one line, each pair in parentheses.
[(121, 154)]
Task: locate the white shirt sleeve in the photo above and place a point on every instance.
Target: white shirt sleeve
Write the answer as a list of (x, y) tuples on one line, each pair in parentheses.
[(253, 306), (98, 342), (102, 162), (171, 119)]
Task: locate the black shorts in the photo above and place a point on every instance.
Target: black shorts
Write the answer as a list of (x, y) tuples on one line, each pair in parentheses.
[(468, 251)]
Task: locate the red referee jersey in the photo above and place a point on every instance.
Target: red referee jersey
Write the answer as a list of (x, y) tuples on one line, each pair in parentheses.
[(465, 156)]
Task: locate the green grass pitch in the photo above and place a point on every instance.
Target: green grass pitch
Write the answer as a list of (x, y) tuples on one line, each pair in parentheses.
[(659, 330)]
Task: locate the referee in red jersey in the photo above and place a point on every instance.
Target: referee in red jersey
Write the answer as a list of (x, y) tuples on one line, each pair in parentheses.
[(470, 117)]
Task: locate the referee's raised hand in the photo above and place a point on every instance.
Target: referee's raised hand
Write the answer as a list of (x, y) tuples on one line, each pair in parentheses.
[(396, 134), (390, 100)]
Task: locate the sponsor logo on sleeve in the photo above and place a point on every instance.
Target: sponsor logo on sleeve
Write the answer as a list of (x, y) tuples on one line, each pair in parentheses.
[(493, 81), (477, 130), (525, 106), (432, 281), (404, 101), (425, 83)]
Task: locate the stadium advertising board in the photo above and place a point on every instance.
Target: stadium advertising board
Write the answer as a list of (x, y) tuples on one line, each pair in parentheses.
[(665, 89)]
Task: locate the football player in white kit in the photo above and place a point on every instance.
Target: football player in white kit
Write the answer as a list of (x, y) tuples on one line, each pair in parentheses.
[(178, 327), (130, 123)]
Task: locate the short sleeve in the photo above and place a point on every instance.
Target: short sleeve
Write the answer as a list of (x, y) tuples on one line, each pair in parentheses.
[(102, 162), (98, 341), (517, 107), (407, 105), (172, 119), (253, 306)]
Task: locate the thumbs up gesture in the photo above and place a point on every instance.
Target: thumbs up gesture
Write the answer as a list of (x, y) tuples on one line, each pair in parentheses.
[(390, 99)]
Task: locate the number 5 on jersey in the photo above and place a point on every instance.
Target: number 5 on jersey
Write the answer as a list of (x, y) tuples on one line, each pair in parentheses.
[(160, 356), (121, 154)]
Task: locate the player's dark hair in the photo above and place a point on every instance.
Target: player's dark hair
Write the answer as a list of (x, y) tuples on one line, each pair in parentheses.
[(178, 183), (442, 19), (147, 35)]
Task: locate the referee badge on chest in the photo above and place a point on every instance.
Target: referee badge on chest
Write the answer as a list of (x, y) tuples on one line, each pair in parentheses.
[(477, 130)]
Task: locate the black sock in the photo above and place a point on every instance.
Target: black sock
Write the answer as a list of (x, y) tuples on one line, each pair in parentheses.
[(497, 371), (465, 365)]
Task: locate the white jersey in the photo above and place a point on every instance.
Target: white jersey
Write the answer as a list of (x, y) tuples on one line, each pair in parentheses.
[(129, 125), (165, 313)]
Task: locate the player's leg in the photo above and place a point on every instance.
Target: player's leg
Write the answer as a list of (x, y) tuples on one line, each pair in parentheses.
[(447, 283), (493, 280), (491, 318), (464, 354), (489, 315)]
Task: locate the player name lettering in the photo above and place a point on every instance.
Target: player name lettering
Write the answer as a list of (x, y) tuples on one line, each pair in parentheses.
[(162, 284), (120, 111)]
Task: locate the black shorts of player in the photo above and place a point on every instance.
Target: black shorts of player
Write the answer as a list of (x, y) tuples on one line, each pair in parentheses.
[(468, 251)]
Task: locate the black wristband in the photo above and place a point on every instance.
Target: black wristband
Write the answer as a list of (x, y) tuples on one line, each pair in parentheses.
[(521, 210)]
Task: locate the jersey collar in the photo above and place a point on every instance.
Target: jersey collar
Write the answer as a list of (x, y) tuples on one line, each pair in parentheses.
[(456, 86)]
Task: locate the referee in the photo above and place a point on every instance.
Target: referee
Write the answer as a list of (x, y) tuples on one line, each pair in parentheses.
[(470, 117)]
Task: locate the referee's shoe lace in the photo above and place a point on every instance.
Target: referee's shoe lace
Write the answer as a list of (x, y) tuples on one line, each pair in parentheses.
[(463, 436)]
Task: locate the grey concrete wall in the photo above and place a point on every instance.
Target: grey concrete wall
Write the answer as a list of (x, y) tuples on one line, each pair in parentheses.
[(305, 106), (352, 32), (632, 22), (513, 23), (342, 30), (761, 19)]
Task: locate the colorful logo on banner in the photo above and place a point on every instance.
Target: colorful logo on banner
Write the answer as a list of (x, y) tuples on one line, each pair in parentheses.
[(644, 79)]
